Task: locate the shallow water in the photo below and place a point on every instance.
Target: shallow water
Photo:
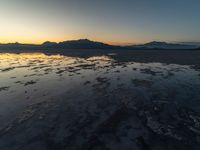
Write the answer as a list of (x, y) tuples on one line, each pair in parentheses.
[(97, 102)]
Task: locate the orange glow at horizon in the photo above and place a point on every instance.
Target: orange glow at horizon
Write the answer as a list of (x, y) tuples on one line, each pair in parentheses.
[(40, 40), (111, 22)]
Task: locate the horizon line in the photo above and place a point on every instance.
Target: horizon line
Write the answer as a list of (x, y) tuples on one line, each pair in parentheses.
[(109, 43)]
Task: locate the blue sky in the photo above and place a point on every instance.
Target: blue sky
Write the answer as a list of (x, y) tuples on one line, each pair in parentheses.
[(111, 21)]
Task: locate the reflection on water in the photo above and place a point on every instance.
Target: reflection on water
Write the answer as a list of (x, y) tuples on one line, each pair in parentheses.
[(99, 102)]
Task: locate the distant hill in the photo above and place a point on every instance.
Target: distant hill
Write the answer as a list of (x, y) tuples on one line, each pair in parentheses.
[(83, 44), (73, 44), (88, 44), (48, 44), (18, 46), (165, 45), (76, 44)]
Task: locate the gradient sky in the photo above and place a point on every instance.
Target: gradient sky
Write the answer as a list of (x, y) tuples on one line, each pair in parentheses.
[(110, 21)]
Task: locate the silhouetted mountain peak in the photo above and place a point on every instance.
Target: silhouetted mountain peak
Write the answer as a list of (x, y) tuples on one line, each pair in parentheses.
[(83, 44), (165, 45), (89, 44), (85, 40), (80, 41), (157, 43), (48, 43)]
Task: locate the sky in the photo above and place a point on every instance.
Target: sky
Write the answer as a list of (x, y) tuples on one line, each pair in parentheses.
[(109, 21)]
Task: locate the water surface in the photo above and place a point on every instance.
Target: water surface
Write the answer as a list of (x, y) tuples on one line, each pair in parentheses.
[(97, 102)]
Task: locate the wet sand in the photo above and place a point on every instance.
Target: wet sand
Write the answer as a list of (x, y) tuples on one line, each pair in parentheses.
[(105, 100)]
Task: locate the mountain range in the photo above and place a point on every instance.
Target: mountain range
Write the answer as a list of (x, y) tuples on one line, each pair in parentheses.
[(164, 45), (88, 44)]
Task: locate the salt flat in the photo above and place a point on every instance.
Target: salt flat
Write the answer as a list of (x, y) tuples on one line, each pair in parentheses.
[(108, 100)]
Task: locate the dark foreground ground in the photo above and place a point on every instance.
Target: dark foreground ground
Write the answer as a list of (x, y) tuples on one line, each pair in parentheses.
[(100, 100)]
